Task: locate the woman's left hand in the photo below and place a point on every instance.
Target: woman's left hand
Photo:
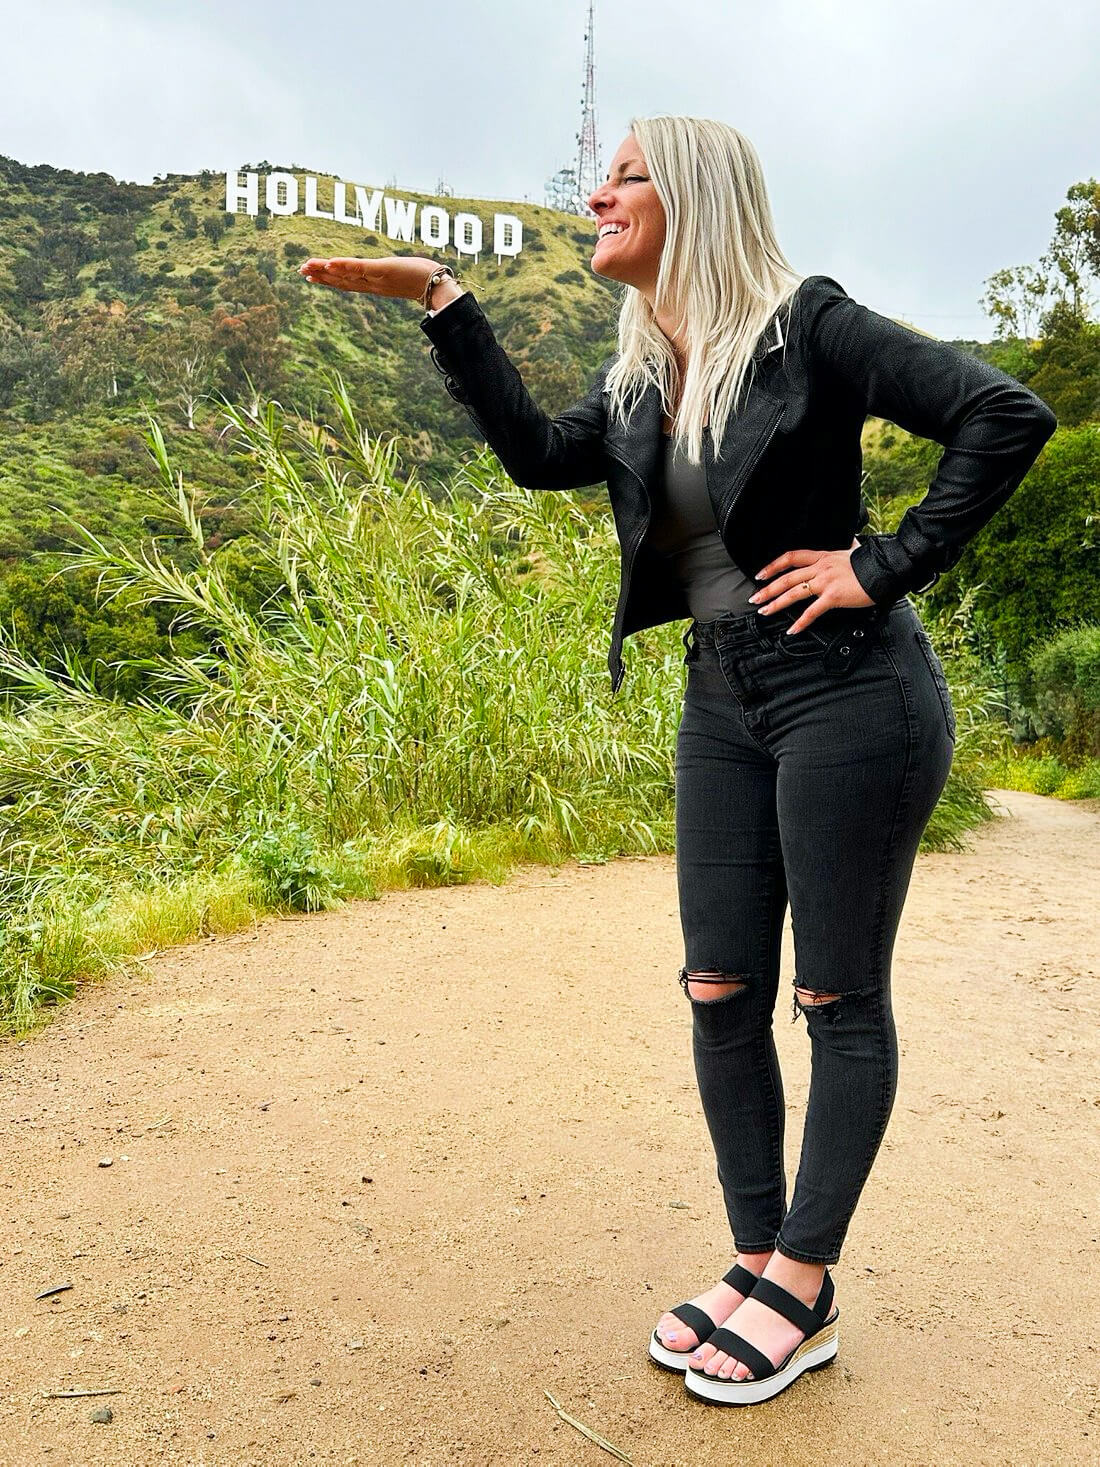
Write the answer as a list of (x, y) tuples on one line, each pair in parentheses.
[(830, 575)]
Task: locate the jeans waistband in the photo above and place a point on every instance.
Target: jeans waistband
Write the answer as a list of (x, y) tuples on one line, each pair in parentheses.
[(738, 625)]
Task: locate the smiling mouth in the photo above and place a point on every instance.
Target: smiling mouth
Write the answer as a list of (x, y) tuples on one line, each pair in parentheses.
[(600, 238)]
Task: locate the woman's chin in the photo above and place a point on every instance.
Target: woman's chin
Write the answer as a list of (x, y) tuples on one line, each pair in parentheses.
[(603, 267)]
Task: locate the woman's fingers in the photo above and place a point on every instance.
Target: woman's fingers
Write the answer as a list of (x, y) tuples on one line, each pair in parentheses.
[(342, 272), (834, 583), (400, 276)]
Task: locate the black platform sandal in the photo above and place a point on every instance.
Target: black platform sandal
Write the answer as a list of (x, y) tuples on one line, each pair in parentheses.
[(740, 1278), (818, 1325)]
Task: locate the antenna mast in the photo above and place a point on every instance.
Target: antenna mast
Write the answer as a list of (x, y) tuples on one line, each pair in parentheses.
[(589, 167), (569, 188)]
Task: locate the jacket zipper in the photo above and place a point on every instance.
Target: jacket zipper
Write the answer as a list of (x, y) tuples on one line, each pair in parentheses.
[(636, 538), (631, 551)]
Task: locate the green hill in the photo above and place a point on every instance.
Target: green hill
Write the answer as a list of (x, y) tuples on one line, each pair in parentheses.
[(117, 297)]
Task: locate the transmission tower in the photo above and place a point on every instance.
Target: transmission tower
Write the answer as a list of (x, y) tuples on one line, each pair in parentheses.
[(589, 167), (569, 188)]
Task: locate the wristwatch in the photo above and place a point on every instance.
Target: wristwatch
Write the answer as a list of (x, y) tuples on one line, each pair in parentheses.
[(433, 279)]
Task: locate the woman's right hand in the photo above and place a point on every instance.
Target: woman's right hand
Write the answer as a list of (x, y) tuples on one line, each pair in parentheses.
[(400, 276)]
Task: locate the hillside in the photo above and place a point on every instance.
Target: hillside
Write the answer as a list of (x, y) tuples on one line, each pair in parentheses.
[(116, 296), (119, 300), (120, 297)]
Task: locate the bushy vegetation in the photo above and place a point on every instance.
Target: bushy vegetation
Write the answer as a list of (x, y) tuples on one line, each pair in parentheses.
[(422, 698), (1042, 769)]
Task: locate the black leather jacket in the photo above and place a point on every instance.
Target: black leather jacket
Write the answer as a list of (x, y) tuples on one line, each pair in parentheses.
[(789, 477)]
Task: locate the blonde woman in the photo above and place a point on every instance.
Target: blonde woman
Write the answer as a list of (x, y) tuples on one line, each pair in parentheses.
[(817, 730)]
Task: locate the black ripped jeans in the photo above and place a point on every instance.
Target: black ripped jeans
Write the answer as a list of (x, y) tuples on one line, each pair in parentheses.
[(807, 767)]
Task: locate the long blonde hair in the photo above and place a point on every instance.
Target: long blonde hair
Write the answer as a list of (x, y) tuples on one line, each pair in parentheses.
[(721, 268)]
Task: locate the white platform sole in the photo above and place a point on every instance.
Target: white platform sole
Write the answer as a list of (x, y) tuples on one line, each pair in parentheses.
[(819, 1350), (668, 1359)]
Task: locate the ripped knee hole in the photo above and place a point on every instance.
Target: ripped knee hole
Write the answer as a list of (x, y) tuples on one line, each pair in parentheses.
[(808, 996), (710, 985)]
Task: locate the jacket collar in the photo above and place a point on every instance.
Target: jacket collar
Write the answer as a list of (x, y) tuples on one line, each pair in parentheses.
[(638, 442)]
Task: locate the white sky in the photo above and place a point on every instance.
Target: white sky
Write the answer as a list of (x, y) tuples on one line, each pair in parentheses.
[(910, 151)]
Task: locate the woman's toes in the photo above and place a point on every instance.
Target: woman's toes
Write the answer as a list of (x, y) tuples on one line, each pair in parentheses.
[(675, 1335)]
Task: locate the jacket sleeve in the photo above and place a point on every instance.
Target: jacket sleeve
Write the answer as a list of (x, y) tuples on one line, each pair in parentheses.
[(992, 428), (537, 451)]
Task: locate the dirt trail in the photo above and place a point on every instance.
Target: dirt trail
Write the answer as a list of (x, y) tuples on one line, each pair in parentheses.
[(383, 1176)]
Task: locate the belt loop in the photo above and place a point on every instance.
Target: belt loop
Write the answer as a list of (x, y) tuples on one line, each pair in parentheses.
[(691, 649)]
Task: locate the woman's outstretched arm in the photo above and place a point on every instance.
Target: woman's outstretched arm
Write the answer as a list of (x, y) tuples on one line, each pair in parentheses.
[(992, 428), (537, 451)]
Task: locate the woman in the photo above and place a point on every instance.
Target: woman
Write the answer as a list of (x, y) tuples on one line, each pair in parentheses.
[(817, 730)]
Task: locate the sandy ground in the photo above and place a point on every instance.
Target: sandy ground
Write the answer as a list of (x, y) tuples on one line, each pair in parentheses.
[(381, 1178)]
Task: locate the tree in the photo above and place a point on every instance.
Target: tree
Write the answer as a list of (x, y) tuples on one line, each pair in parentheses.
[(1014, 297), (1066, 373), (96, 345), (1036, 560), (1017, 296), (178, 359), (30, 371), (254, 351), (1075, 248)]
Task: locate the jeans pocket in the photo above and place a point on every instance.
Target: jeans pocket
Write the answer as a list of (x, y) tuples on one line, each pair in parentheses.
[(935, 667)]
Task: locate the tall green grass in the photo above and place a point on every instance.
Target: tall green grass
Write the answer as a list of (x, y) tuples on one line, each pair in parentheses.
[(425, 701)]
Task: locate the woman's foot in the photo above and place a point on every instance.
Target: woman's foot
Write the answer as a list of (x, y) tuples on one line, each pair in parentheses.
[(761, 1325), (719, 1303)]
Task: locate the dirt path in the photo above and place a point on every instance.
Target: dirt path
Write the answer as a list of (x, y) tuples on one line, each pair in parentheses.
[(383, 1176)]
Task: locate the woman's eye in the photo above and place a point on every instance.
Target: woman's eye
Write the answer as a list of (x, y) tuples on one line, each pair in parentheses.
[(636, 178)]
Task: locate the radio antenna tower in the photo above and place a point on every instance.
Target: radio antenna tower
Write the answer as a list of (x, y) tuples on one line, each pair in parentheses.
[(589, 166), (569, 188)]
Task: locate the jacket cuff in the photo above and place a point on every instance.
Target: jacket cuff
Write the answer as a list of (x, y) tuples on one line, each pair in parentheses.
[(457, 313), (886, 570)]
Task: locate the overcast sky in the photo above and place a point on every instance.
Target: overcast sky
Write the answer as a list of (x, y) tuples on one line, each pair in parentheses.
[(910, 151)]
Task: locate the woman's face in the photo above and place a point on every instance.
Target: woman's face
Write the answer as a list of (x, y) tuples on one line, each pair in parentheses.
[(628, 198)]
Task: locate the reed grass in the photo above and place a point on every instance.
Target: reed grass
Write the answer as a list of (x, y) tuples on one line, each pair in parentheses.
[(425, 701)]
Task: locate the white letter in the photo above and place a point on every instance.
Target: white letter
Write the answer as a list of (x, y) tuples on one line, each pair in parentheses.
[(275, 205), (312, 210), (368, 212), (434, 230), (340, 205), (514, 242), (249, 195), (467, 228), (400, 215)]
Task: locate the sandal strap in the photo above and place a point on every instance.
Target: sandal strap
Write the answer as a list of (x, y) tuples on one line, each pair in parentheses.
[(696, 1319), (741, 1278), (739, 1348), (808, 1320)]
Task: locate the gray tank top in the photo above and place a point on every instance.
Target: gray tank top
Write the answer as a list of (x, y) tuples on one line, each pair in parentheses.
[(684, 530)]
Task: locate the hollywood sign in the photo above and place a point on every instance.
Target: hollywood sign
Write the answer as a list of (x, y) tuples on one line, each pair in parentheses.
[(437, 228)]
